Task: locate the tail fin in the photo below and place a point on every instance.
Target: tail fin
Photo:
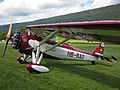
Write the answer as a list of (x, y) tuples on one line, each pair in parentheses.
[(99, 50)]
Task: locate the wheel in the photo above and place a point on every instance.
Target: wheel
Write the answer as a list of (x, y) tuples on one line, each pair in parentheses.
[(21, 60), (31, 70), (93, 63), (36, 68)]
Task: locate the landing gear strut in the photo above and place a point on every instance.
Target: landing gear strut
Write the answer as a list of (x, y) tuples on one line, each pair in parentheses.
[(35, 67)]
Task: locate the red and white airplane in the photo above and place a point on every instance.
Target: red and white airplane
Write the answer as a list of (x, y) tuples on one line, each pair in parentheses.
[(38, 42)]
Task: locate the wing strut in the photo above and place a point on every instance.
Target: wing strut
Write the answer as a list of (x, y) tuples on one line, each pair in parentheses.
[(39, 61), (49, 37), (60, 43), (46, 39)]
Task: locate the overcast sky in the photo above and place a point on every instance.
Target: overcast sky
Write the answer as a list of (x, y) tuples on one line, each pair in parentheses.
[(29, 10)]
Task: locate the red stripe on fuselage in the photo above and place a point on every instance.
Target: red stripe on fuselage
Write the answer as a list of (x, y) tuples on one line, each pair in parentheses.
[(67, 46)]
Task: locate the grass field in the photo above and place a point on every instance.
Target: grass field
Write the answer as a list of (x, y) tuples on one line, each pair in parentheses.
[(63, 75)]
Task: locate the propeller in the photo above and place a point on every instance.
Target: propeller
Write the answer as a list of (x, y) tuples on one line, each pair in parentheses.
[(8, 36)]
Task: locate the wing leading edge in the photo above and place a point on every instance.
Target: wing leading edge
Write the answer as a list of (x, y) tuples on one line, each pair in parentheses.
[(108, 31)]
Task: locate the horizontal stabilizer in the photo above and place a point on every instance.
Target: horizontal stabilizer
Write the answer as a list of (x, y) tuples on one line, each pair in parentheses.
[(111, 59)]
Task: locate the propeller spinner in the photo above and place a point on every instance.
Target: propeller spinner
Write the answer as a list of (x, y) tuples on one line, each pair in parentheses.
[(8, 36)]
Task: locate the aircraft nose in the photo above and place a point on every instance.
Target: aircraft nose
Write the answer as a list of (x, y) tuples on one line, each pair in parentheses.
[(16, 39)]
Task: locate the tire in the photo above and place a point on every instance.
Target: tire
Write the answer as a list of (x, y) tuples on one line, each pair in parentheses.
[(93, 62)]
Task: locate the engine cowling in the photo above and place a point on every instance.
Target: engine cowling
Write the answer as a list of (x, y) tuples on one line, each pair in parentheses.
[(16, 40), (20, 42)]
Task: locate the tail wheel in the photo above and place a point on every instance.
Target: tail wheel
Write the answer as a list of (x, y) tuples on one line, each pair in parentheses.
[(93, 62), (36, 68)]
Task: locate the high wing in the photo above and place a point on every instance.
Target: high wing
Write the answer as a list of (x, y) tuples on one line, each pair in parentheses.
[(108, 31)]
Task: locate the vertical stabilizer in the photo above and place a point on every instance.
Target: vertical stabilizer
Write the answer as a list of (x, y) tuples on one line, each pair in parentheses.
[(99, 50)]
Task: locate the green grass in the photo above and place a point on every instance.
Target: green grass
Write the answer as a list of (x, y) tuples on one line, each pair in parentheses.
[(59, 39), (63, 75)]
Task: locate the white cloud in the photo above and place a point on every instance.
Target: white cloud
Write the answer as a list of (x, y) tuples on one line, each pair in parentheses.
[(27, 10), (114, 1), (101, 3)]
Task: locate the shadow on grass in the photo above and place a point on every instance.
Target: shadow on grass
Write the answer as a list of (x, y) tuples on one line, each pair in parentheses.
[(77, 69)]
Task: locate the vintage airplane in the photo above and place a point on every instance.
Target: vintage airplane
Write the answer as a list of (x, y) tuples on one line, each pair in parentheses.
[(38, 42)]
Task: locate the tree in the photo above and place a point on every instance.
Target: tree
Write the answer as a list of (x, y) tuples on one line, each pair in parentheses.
[(3, 35)]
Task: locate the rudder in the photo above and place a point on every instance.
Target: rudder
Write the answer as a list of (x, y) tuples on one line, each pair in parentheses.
[(99, 50)]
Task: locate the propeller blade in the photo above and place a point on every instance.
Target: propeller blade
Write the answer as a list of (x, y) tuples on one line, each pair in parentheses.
[(9, 31), (5, 47), (8, 37)]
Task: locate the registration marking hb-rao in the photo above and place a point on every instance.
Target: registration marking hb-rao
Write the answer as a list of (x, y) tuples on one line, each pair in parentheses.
[(76, 55)]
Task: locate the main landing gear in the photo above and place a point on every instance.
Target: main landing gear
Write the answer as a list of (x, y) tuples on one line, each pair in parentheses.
[(35, 67)]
